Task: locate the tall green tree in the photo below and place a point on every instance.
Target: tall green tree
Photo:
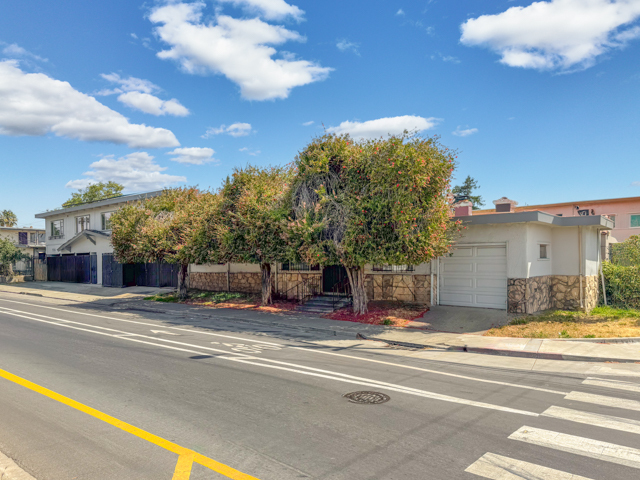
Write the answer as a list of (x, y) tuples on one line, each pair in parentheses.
[(161, 229), (467, 188), (8, 219), (9, 254), (371, 202), (94, 192), (252, 226)]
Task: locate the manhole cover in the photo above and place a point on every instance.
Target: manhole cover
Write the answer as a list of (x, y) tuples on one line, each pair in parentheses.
[(367, 398)]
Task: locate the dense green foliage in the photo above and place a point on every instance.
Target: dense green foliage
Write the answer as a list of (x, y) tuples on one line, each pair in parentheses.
[(94, 192), (371, 202), (626, 253), (622, 285), (9, 254), (8, 219), (250, 226), (161, 228), (467, 188)]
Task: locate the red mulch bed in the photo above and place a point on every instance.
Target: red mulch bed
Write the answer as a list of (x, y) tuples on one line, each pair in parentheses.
[(400, 314)]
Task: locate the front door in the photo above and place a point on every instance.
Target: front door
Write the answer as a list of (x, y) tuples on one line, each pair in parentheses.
[(335, 279)]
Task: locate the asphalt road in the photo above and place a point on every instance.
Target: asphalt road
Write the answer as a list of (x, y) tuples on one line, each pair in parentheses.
[(272, 406)]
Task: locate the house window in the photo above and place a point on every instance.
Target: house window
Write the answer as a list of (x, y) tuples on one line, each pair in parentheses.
[(299, 267), (32, 238), (393, 268), (106, 220), (82, 223), (635, 221), (544, 251), (22, 238), (57, 228)]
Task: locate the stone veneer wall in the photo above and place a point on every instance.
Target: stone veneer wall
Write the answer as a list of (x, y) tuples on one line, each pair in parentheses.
[(15, 278), (531, 295), (286, 282), (209, 281), (246, 282), (399, 287)]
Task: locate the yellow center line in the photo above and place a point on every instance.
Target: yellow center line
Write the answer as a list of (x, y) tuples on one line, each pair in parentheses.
[(186, 458)]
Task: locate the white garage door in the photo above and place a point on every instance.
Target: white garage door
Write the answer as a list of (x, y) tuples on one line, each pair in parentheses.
[(475, 277)]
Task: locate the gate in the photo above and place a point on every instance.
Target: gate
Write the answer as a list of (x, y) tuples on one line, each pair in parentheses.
[(157, 274), (69, 268), (335, 279), (39, 270)]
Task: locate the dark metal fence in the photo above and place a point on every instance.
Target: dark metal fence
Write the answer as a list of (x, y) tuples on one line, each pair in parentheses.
[(157, 274)]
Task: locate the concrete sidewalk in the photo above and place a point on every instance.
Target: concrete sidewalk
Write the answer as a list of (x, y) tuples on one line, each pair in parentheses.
[(586, 350)]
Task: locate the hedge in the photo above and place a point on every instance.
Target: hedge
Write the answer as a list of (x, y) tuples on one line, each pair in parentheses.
[(622, 285)]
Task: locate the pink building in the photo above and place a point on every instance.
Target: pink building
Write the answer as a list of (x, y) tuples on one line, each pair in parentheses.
[(625, 212)]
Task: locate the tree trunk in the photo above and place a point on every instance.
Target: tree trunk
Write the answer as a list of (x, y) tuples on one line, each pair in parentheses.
[(358, 291), (267, 298), (183, 277)]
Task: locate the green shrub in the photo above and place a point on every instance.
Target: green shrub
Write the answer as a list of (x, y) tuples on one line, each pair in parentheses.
[(622, 285), (519, 321), (627, 253), (387, 321)]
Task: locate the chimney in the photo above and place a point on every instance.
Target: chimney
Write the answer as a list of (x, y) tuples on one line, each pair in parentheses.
[(463, 209), (505, 205)]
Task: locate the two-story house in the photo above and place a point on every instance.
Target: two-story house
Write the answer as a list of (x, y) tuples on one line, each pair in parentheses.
[(30, 240), (85, 231)]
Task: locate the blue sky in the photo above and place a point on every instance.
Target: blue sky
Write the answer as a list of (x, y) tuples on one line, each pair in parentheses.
[(541, 99)]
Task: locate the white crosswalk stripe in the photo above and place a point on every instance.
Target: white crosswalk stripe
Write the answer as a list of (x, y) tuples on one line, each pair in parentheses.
[(587, 447), (498, 467), (617, 384), (604, 400), (605, 421)]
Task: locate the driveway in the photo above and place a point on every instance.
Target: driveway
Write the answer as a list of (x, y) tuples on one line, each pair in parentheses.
[(462, 319)]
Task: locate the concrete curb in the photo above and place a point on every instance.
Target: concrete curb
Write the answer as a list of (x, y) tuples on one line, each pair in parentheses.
[(9, 470), (501, 351)]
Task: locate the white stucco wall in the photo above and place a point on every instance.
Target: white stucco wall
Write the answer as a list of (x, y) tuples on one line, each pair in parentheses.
[(234, 268), (538, 234)]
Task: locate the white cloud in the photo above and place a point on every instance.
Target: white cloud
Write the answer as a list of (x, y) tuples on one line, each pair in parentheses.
[(250, 152), (385, 126), (235, 130), (153, 105), (35, 104), (269, 9), (344, 45), (136, 171), (136, 93), (14, 50), (635, 184), (129, 84), (193, 155), (558, 34), (239, 49), (465, 132), (400, 12), (308, 124)]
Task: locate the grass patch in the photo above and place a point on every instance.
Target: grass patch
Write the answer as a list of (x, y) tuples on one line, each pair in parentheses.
[(601, 322), (164, 297)]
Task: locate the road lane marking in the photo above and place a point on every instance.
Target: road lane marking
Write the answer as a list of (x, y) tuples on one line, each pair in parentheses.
[(617, 384), (497, 467), (183, 467), (164, 332), (239, 356), (138, 432), (396, 388), (604, 400), (455, 375), (587, 447), (604, 421), (464, 377)]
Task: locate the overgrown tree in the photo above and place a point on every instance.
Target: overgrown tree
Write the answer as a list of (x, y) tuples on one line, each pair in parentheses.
[(467, 188), (95, 192), (9, 254), (8, 219), (371, 202), (253, 221), (161, 229)]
